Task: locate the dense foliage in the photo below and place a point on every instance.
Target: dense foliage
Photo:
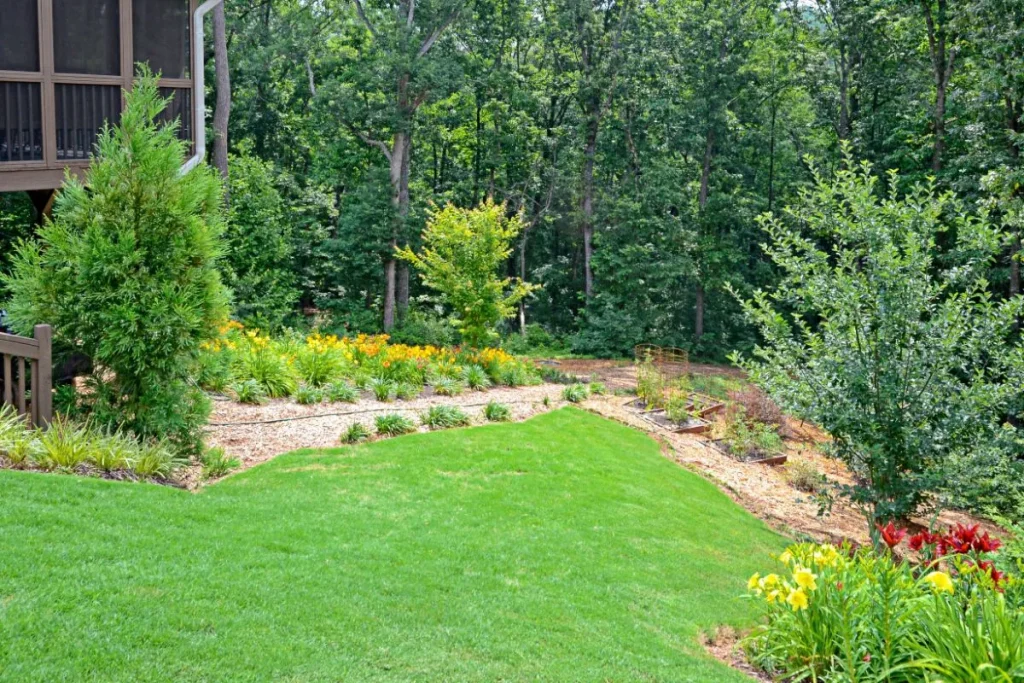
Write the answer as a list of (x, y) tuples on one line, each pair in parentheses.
[(639, 141), (127, 275), (890, 342)]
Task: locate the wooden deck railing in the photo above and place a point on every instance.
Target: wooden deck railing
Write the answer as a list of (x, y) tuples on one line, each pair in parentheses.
[(37, 351)]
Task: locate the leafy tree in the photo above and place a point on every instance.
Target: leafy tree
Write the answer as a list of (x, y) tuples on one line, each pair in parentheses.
[(258, 246), (127, 274), (894, 347), (462, 252)]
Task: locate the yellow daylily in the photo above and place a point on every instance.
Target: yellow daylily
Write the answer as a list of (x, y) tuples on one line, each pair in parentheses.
[(797, 600), (940, 582), (805, 578), (786, 557), (754, 582)]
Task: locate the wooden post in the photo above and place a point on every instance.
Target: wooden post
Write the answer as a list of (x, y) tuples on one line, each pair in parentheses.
[(43, 400)]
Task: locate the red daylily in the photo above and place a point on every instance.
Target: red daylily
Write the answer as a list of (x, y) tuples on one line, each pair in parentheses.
[(891, 536)]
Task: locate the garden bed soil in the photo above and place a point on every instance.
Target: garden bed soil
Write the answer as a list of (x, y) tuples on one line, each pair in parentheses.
[(756, 458), (692, 425), (764, 491), (255, 434)]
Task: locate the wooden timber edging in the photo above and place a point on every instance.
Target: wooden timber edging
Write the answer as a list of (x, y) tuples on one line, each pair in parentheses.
[(29, 358)]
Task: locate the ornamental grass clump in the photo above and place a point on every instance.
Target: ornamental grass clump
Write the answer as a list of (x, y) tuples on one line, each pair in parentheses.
[(576, 393), (444, 417), (309, 395), (357, 432), (394, 425), (842, 613), (341, 392), (497, 412)]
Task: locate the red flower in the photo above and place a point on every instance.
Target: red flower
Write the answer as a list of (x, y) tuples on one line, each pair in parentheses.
[(987, 544), (890, 534), (839, 585), (867, 657), (918, 541)]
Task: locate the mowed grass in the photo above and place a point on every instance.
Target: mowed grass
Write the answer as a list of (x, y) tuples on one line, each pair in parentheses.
[(562, 549)]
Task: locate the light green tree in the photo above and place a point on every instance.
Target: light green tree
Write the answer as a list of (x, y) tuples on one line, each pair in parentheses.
[(462, 252)]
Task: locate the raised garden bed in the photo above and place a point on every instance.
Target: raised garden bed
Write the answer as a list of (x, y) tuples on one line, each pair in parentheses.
[(692, 425), (754, 457)]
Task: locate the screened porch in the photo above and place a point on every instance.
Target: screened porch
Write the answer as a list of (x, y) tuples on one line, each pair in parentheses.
[(63, 64)]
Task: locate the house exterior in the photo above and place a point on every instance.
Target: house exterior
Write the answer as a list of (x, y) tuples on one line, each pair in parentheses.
[(63, 65)]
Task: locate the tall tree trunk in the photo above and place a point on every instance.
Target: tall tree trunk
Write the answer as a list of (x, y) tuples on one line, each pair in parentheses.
[(590, 152), (400, 203), (942, 45), (844, 94), (939, 125), (222, 115)]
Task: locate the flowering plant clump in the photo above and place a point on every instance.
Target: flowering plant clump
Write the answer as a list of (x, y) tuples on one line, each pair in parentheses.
[(844, 613), (281, 365)]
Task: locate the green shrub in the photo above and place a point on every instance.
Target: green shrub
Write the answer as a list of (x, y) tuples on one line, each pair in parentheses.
[(342, 392), (64, 446), (497, 412), (127, 274), (576, 393), (407, 391), (356, 433), (476, 378), (463, 250), (216, 463), (910, 359), (383, 389), (394, 425), (446, 386), (598, 388), (309, 396), (424, 328), (259, 254), (250, 391), (751, 440), (444, 417)]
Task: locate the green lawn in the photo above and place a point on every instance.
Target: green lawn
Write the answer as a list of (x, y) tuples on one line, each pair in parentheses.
[(563, 549)]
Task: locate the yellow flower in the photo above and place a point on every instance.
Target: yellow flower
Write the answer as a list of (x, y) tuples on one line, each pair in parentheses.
[(805, 578), (773, 596), (786, 557), (797, 600), (771, 581), (826, 557), (754, 582), (940, 582)]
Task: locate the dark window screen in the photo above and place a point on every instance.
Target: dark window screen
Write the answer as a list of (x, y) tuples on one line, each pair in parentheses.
[(180, 110), (161, 35), (19, 35), (21, 122), (86, 37), (82, 110)]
